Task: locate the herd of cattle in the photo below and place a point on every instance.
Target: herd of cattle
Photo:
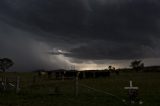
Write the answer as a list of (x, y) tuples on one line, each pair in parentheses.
[(70, 74)]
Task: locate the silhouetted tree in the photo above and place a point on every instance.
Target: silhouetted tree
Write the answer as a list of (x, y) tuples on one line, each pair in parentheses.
[(137, 65), (5, 63), (111, 68)]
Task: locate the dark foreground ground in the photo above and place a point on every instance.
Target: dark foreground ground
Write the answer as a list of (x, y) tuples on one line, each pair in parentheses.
[(92, 92)]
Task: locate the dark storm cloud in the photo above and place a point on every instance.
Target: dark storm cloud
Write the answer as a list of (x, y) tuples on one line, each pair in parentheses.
[(17, 45), (90, 29), (113, 50)]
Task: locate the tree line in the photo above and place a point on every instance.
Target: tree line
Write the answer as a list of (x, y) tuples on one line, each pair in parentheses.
[(6, 63)]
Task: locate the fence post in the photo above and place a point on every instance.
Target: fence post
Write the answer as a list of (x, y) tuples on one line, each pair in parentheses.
[(17, 84), (63, 75), (76, 83), (4, 83)]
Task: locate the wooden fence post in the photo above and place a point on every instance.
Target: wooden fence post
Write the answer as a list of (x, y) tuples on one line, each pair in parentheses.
[(76, 83), (17, 84), (4, 83)]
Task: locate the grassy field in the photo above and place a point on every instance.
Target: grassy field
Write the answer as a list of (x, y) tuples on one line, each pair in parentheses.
[(41, 93)]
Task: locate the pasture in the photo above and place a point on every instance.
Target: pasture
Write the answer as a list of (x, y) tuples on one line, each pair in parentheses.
[(42, 92)]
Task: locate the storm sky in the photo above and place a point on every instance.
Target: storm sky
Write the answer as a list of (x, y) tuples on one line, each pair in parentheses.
[(87, 34)]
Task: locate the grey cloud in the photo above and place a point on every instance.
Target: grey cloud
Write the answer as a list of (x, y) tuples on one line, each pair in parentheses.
[(71, 18), (89, 29), (111, 50), (27, 53)]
